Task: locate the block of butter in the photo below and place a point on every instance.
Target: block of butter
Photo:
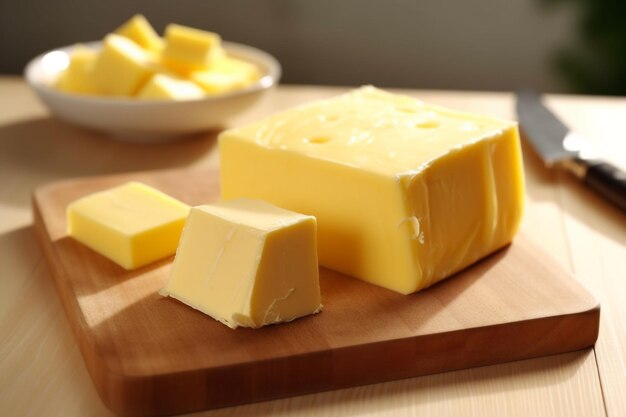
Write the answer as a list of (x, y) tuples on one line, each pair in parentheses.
[(247, 263), (405, 193), (132, 224)]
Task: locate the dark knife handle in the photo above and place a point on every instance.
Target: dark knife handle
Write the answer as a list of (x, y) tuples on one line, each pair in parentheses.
[(608, 180)]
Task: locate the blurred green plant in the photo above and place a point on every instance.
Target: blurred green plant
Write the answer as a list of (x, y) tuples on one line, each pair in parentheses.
[(597, 65)]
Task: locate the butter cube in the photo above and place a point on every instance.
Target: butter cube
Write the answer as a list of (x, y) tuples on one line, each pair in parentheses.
[(188, 49), (226, 74), (247, 263), (139, 30), (78, 76), (122, 66), (165, 87), (405, 193), (132, 224)]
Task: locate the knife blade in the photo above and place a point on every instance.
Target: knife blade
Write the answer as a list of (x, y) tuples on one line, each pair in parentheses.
[(559, 146)]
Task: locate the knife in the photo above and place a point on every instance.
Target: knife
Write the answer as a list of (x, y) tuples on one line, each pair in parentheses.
[(558, 146)]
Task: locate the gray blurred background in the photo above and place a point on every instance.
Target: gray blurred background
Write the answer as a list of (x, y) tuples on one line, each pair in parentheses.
[(456, 44)]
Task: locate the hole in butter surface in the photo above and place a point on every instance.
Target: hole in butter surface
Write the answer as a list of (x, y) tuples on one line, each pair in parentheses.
[(406, 109), (317, 140), (427, 124), (330, 117)]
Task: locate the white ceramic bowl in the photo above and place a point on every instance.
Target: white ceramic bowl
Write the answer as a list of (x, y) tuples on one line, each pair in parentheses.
[(142, 120)]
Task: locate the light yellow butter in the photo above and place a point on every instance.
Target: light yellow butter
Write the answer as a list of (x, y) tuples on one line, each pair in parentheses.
[(226, 74), (405, 193), (247, 263), (130, 57), (132, 224), (165, 87), (77, 78), (122, 67), (188, 49), (139, 30)]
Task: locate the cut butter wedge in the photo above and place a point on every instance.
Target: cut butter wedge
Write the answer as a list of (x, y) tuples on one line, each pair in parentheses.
[(247, 263), (405, 193)]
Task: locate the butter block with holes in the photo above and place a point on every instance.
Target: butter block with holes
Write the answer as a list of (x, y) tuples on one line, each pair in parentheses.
[(405, 193), (247, 263), (132, 224)]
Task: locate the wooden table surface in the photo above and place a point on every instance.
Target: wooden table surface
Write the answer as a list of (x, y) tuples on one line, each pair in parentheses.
[(41, 369)]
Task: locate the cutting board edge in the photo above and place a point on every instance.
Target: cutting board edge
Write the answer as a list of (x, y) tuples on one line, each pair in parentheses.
[(121, 392), (122, 176), (76, 321)]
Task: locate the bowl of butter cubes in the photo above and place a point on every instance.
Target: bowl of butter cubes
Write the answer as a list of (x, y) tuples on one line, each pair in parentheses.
[(135, 85)]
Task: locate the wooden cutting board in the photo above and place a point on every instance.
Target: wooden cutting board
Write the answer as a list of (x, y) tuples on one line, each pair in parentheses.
[(150, 355)]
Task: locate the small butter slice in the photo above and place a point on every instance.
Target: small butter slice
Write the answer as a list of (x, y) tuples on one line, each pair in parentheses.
[(78, 77), (139, 30), (132, 224), (165, 87), (247, 263), (122, 66), (187, 49), (226, 74)]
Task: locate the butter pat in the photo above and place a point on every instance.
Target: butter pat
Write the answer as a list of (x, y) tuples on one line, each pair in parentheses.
[(122, 66), (165, 87), (188, 49), (226, 74), (78, 76), (139, 30), (405, 193), (247, 263), (132, 224)]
